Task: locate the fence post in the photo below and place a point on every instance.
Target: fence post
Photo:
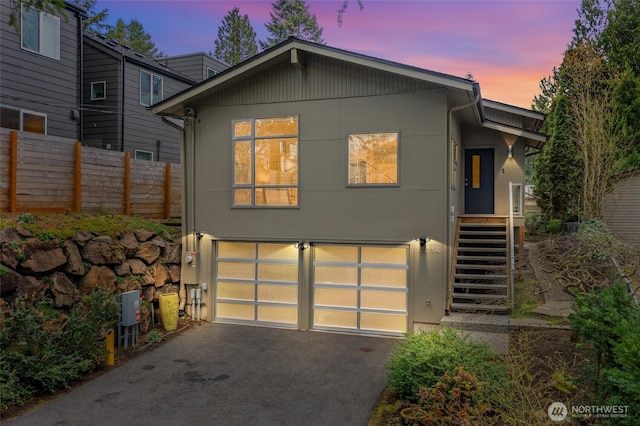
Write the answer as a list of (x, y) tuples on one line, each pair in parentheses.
[(127, 183), (77, 183), (13, 171), (167, 191)]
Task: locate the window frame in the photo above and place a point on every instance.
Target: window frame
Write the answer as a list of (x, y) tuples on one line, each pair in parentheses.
[(373, 185), (104, 90), (151, 81), (211, 72), (252, 186), (142, 151), (42, 34), (21, 113)]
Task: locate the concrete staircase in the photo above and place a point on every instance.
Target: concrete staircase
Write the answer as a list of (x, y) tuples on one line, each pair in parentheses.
[(480, 273)]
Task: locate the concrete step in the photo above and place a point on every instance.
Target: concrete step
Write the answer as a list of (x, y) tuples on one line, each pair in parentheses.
[(484, 258), (480, 267), (478, 308), (482, 241), (485, 249)]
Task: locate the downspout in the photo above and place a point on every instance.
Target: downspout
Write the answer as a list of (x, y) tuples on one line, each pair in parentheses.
[(81, 77), (451, 217), (185, 201)]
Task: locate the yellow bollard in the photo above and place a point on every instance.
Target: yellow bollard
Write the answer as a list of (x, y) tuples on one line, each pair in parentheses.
[(110, 348)]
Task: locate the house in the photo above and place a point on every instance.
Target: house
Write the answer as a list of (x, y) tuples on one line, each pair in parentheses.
[(40, 82), (328, 190), (119, 86), (197, 66)]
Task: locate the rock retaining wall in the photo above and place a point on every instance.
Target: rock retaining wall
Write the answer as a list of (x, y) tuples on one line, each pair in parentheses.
[(66, 270)]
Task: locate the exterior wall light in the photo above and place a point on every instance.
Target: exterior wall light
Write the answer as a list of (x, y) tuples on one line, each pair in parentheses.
[(423, 241), (198, 235), (301, 245), (510, 154)]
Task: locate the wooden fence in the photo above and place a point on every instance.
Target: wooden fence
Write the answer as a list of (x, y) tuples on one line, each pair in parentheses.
[(41, 173)]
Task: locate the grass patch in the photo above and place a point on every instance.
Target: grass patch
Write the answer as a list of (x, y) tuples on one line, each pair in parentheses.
[(527, 297), (49, 226)]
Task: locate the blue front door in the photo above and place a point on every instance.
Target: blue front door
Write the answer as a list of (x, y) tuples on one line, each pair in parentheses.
[(478, 181)]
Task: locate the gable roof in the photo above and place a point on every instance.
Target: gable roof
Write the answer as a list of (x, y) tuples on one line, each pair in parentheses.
[(461, 91), (121, 51), (465, 90)]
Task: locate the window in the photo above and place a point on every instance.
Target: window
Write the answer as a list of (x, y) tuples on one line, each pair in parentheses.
[(19, 119), (40, 33), (211, 72), (150, 88), (143, 155), (373, 159), (98, 90), (265, 162)]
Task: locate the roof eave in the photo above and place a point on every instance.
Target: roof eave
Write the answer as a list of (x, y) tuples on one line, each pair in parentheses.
[(537, 139)]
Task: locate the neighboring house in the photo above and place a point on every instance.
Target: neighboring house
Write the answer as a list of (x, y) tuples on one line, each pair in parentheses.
[(328, 190), (41, 71), (120, 85), (197, 66)]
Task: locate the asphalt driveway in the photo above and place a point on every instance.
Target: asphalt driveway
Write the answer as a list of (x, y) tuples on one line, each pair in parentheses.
[(221, 374)]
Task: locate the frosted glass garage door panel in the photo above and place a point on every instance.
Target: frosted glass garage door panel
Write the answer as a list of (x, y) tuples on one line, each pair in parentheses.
[(278, 272), (278, 252), (235, 311), (388, 300), (383, 322), (238, 270), (387, 255), (277, 293), (236, 250), (231, 290), (336, 275), (384, 277), (278, 314), (331, 318), (336, 297), (336, 254)]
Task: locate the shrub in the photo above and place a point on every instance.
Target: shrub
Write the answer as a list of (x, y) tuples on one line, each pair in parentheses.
[(609, 322), (554, 226), (423, 358), (43, 350)]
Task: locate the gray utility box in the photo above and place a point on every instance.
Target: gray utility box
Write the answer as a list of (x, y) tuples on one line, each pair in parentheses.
[(130, 308)]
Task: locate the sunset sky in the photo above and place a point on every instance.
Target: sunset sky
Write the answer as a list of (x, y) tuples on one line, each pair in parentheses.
[(507, 45)]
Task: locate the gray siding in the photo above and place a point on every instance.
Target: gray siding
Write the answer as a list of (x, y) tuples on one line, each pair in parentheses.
[(102, 119), (622, 209), (142, 129), (37, 83), (284, 82), (336, 102), (193, 66)]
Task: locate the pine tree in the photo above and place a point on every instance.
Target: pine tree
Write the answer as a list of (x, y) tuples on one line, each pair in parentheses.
[(236, 38), (134, 35), (95, 22), (291, 18)]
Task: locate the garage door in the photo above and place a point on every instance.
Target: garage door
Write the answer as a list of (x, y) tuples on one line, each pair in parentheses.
[(257, 283), (360, 288)]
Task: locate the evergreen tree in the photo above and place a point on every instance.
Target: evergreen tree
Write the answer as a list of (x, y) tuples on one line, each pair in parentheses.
[(291, 18), (557, 166), (134, 35), (95, 22), (236, 38)]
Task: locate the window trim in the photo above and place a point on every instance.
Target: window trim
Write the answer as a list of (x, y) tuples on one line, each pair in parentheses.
[(41, 33), (136, 151), (151, 75), (104, 85), (22, 112), (252, 186), (373, 185)]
